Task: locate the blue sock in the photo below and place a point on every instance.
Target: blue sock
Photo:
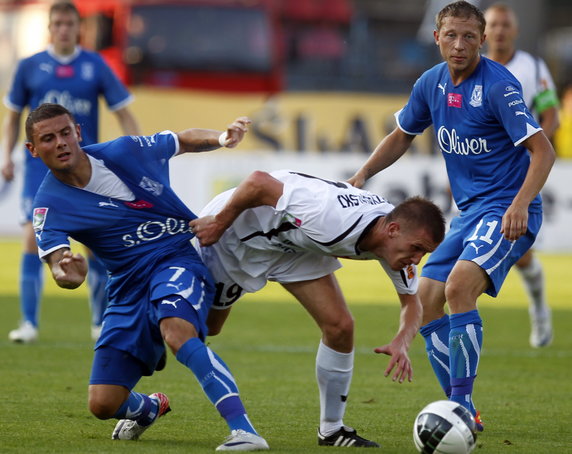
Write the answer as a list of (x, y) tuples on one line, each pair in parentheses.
[(31, 282), (97, 280), (138, 407), (436, 334), (217, 382), (465, 343)]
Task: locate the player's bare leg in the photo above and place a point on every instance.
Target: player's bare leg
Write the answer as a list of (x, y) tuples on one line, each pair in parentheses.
[(324, 300)]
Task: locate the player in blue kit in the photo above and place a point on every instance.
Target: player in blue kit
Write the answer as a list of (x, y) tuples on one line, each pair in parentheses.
[(116, 198), (68, 75), (484, 130)]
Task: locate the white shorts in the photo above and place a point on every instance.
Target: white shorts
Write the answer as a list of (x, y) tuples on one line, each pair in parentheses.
[(235, 274), (240, 267)]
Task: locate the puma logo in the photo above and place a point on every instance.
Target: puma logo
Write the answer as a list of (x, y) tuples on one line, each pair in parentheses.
[(476, 247)]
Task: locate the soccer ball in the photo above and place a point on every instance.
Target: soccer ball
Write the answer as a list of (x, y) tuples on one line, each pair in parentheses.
[(444, 427)]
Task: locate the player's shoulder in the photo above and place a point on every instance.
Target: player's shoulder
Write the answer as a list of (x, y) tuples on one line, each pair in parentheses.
[(497, 78), (35, 59), (433, 75), (89, 54)]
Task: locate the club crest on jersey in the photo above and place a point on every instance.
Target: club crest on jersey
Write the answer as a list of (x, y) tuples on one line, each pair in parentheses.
[(39, 218), (455, 100), (410, 272), (152, 186), (477, 96), (87, 71)]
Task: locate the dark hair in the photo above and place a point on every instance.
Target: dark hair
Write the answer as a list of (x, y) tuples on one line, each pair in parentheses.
[(44, 112), (63, 7), (461, 9), (417, 212)]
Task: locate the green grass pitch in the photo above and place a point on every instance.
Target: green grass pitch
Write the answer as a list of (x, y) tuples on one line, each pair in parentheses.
[(524, 394)]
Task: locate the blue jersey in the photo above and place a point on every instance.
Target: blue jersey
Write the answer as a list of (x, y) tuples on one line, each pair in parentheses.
[(136, 240), (480, 125), (75, 83)]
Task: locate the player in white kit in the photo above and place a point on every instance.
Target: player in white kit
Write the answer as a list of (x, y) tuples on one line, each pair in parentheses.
[(291, 228), (539, 94)]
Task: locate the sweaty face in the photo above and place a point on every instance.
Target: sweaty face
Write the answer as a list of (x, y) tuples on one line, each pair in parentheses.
[(56, 142), (459, 42), (501, 30), (64, 31)]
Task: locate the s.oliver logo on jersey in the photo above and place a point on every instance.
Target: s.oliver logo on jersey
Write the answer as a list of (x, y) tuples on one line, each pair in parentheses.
[(39, 218), (76, 106), (450, 142), (153, 230), (455, 100)]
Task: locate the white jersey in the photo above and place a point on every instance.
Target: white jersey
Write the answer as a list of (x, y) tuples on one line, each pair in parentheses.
[(315, 222), (534, 77)]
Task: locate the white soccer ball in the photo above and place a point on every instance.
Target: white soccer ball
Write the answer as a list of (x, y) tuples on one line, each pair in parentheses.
[(444, 427)]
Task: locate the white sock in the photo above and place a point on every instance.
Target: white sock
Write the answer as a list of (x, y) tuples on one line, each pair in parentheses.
[(533, 278), (334, 374)]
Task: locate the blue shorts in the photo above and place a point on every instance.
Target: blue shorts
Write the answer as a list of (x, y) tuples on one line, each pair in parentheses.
[(476, 237), (108, 360), (34, 172), (180, 287)]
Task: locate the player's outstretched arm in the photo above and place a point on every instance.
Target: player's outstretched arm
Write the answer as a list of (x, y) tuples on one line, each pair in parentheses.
[(258, 189), (68, 270), (389, 150), (195, 140), (410, 321)]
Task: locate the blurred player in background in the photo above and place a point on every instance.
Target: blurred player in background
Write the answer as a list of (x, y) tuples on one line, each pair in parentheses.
[(539, 94), (115, 198), (290, 228), (484, 130), (71, 76)]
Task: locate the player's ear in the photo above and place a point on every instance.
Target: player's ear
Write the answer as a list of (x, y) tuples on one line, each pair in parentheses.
[(393, 229), (31, 149), (78, 132)]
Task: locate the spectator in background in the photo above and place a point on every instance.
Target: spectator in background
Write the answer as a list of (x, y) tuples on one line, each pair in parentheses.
[(563, 135), (539, 94), (71, 76)]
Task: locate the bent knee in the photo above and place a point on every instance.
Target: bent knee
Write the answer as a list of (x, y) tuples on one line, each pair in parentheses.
[(340, 331), (103, 409), (105, 400)]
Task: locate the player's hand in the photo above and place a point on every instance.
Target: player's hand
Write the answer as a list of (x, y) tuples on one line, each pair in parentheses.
[(8, 170), (70, 270), (399, 363), (235, 132), (207, 230), (356, 181), (515, 222)]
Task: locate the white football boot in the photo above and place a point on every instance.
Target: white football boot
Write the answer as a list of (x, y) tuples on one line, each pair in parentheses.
[(240, 440), (24, 334)]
